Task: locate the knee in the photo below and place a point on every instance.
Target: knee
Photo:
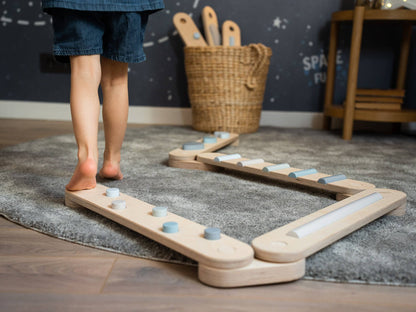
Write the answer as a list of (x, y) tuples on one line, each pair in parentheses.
[(114, 74), (86, 67), (111, 81)]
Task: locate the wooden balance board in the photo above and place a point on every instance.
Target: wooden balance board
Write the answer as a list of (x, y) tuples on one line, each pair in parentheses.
[(223, 262), (275, 257), (186, 158), (201, 157), (337, 184)]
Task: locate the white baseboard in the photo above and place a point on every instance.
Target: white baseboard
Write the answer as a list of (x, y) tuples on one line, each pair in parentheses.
[(34, 110), (151, 115), (165, 115), (291, 119), (62, 112)]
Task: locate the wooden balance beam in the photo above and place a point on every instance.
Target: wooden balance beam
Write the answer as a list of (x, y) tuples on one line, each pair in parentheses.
[(185, 157), (198, 155), (338, 184), (307, 235), (227, 262)]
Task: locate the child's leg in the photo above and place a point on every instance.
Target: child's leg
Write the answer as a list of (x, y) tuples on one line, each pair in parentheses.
[(85, 110), (115, 112)]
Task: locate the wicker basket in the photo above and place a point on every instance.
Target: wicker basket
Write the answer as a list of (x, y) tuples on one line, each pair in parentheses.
[(226, 86)]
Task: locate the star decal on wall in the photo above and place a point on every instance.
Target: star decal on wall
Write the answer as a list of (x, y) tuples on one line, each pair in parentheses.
[(277, 21)]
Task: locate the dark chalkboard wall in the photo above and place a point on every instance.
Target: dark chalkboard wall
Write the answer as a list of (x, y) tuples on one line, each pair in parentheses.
[(296, 30)]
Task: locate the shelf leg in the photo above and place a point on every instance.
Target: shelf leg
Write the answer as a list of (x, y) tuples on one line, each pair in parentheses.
[(357, 31), (330, 80), (404, 55)]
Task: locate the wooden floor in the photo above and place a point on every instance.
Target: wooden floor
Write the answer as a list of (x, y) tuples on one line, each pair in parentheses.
[(41, 273)]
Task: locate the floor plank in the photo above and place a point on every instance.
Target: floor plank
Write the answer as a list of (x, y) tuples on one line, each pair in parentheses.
[(4, 223), (76, 275), (130, 276), (162, 301), (18, 241), (15, 131)]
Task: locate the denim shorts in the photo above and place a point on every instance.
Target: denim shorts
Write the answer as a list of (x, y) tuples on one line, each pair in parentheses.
[(114, 35)]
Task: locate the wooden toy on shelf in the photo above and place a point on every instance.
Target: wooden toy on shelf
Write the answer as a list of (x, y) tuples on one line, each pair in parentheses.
[(379, 99)]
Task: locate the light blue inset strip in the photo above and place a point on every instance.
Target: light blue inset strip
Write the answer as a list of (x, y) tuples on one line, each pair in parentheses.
[(331, 179), (210, 139), (227, 157), (231, 41), (276, 167), (193, 146), (222, 134), (302, 173)]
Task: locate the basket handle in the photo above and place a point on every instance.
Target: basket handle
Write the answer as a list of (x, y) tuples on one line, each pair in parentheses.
[(261, 59)]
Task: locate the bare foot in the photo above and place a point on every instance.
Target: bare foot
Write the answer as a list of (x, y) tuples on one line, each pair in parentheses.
[(111, 171), (84, 176)]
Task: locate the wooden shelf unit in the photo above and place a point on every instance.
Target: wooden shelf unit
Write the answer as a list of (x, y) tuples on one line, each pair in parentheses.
[(349, 111)]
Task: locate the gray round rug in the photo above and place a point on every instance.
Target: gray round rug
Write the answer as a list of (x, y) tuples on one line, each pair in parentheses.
[(33, 176)]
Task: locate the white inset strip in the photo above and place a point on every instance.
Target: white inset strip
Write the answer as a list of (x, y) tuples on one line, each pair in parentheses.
[(250, 162), (276, 167), (227, 157), (334, 216)]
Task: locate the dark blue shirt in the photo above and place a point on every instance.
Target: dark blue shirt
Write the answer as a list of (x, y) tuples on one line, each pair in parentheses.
[(105, 5)]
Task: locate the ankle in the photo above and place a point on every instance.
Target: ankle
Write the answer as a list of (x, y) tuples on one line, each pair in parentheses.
[(84, 155), (112, 157)]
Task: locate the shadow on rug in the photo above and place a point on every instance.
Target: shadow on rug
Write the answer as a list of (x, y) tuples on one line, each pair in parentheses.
[(33, 177)]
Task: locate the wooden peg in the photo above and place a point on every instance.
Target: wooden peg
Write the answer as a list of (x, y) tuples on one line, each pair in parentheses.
[(231, 34), (210, 22), (188, 31)]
